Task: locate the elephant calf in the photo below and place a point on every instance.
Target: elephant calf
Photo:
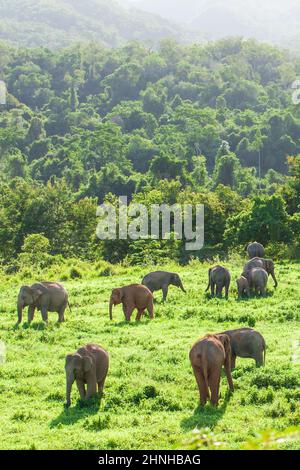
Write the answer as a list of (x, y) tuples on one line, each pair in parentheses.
[(243, 287), (161, 280), (218, 278), (44, 296), (248, 343), (135, 296), (208, 356), (89, 367)]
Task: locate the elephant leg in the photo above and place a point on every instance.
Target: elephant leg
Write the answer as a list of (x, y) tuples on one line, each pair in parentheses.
[(128, 309), (212, 289), (139, 314), (233, 359), (219, 291), (81, 388), (61, 314), (31, 310), (227, 291), (259, 360), (203, 391), (101, 385), (44, 312), (214, 385), (165, 290)]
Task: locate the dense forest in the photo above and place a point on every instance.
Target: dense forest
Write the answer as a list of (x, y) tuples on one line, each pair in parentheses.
[(179, 124)]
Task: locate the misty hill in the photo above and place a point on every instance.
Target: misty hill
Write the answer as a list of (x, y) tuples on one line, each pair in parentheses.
[(276, 21), (58, 23)]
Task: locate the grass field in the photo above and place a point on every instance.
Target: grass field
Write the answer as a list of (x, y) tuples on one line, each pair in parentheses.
[(151, 399)]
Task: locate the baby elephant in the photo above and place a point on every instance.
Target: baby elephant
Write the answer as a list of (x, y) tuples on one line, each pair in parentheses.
[(218, 277), (243, 287), (88, 366), (161, 280), (258, 280), (246, 342), (207, 357), (135, 296)]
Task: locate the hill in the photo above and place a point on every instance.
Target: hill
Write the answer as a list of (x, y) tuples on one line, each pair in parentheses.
[(58, 23)]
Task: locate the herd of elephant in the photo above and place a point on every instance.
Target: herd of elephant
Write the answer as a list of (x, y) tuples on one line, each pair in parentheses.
[(88, 366)]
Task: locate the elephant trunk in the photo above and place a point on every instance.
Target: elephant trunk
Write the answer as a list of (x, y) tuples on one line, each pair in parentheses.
[(181, 287), (70, 381), (274, 279), (110, 309), (20, 311)]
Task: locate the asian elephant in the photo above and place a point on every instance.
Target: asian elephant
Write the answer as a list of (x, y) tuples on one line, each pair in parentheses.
[(208, 356), (135, 296), (44, 296), (248, 343), (255, 249), (258, 280), (161, 280), (218, 277), (89, 367), (266, 264), (243, 287)]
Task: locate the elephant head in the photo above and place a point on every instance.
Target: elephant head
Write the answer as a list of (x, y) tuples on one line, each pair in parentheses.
[(176, 281), (27, 296), (77, 367), (269, 267), (115, 299)]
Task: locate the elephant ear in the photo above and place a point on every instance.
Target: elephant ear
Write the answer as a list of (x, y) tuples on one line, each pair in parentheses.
[(225, 340), (87, 364), (118, 293)]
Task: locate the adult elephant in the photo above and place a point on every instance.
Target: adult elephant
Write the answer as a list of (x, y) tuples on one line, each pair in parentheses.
[(89, 367), (161, 280), (266, 264), (248, 343), (208, 356), (255, 250), (44, 296)]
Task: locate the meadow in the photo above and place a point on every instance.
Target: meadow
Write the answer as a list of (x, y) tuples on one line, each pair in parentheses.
[(150, 399)]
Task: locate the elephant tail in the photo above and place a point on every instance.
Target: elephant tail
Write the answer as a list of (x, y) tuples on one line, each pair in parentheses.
[(205, 375), (209, 271)]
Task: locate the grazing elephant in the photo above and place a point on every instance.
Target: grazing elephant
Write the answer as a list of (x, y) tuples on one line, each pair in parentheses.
[(246, 342), (207, 357), (44, 296), (266, 264), (135, 296), (218, 277), (258, 280), (243, 287), (161, 280), (255, 250), (88, 366)]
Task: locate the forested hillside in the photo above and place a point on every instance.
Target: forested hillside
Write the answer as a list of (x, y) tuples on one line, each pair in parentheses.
[(59, 23), (184, 124)]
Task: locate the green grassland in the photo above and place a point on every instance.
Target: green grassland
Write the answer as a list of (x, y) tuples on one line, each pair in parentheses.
[(150, 399)]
